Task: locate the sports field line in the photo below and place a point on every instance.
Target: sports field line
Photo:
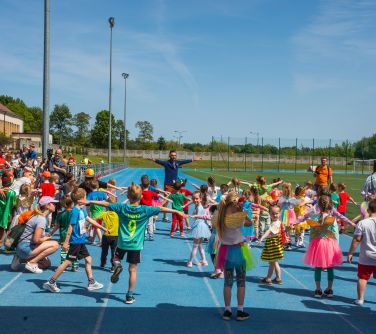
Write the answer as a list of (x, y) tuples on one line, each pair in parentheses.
[(211, 291), (6, 286), (358, 330), (98, 323)]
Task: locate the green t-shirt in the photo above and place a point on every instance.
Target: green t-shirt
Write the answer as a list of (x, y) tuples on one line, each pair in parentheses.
[(177, 200), (63, 219), (132, 223), (335, 199)]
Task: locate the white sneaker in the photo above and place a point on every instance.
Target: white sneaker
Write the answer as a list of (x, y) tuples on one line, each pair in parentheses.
[(359, 302), (50, 287), (15, 262), (33, 267), (95, 286)]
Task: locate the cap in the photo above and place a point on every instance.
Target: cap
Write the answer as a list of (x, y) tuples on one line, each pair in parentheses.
[(47, 200), (89, 172), (46, 174)]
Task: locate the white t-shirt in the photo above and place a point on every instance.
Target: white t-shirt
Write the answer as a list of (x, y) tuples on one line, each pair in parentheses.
[(367, 229), (213, 193), (16, 186)]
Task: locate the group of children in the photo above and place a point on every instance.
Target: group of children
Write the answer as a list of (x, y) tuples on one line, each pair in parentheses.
[(228, 218)]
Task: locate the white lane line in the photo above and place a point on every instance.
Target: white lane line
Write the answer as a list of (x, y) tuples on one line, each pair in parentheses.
[(358, 330), (6, 286), (98, 323), (212, 293)]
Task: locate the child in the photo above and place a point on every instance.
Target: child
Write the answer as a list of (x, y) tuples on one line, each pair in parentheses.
[(200, 230), (133, 219), (187, 193), (364, 208), (75, 243), (343, 198), (212, 189), (275, 193), (273, 248), (233, 254), (334, 195), (309, 192), (177, 205), (110, 220), (300, 210), (323, 251), (223, 191), (364, 234)]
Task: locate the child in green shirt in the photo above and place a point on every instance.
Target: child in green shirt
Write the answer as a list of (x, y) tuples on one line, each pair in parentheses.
[(177, 199), (334, 195)]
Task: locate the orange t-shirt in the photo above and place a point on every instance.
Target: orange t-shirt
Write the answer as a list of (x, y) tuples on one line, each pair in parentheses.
[(322, 175)]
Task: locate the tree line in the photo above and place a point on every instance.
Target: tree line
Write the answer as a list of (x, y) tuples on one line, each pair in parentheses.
[(77, 130)]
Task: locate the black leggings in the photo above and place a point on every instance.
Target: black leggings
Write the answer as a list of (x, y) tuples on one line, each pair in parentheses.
[(229, 277)]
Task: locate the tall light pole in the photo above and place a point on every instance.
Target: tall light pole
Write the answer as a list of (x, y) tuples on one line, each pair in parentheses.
[(46, 79), (125, 76), (180, 135), (111, 21), (258, 136)]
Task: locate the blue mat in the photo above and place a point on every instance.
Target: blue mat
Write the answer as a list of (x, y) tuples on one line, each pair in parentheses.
[(173, 298)]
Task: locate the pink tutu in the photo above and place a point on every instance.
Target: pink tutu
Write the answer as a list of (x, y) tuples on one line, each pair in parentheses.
[(323, 253), (156, 202)]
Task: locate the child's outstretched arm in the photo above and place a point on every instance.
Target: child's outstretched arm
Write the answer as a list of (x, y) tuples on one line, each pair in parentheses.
[(258, 206), (342, 217), (87, 202), (165, 198), (352, 201), (94, 223), (266, 234), (187, 204), (195, 186), (168, 210)]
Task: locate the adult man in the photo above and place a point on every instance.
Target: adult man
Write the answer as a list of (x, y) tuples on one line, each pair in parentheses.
[(32, 154), (57, 165), (171, 167), (323, 174), (369, 186)]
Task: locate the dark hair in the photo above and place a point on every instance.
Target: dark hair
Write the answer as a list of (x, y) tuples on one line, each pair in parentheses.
[(374, 166), (68, 177), (224, 186), (213, 208), (341, 186), (153, 182), (177, 185), (261, 180), (372, 206), (325, 203), (333, 187), (66, 201), (299, 190), (172, 151), (211, 180), (204, 193), (145, 181)]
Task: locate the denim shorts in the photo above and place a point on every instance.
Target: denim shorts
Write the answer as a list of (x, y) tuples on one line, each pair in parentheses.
[(24, 249)]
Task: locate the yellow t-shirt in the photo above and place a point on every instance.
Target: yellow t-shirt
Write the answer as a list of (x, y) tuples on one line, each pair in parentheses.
[(111, 222)]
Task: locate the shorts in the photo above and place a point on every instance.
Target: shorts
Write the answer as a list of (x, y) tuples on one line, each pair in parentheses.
[(77, 252), (365, 271), (133, 256), (24, 249)]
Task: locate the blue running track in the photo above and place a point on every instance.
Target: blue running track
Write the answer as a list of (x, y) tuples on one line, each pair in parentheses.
[(171, 298)]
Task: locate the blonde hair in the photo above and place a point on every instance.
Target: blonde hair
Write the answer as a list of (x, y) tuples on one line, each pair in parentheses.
[(112, 182), (25, 190), (134, 193), (38, 210), (77, 194), (54, 178), (287, 189), (230, 200)]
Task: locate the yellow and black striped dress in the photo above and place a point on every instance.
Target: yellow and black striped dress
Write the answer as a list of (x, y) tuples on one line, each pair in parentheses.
[(273, 248)]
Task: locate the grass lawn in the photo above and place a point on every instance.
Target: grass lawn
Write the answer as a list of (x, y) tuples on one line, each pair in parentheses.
[(353, 182)]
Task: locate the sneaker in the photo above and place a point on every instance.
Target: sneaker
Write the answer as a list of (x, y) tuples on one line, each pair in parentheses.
[(94, 286), (359, 302), (189, 264), (15, 262), (226, 315), (266, 281), (117, 271), (241, 315), (33, 267), (171, 235), (151, 237), (112, 269), (203, 263), (277, 281), (328, 293), (182, 234), (288, 248), (318, 293), (129, 299), (102, 265), (50, 287)]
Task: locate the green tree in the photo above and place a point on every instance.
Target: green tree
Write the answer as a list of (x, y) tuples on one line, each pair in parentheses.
[(162, 145), (145, 131), (99, 133), (82, 122), (60, 122)]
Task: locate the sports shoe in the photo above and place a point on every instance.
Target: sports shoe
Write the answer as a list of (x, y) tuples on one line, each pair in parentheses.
[(266, 281), (112, 269), (241, 315), (277, 281), (15, 262), (33, 267), (189, 264), (151, 237), (129, 299), (117, 271), (288, 248), (226, 315), (328, 293), (203, 263), (359, 302), (94, 286), (50, 287), (318, 293), (182, 234), (171, 235)]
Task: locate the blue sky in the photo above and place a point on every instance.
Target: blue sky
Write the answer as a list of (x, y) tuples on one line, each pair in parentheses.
[(277, 67)]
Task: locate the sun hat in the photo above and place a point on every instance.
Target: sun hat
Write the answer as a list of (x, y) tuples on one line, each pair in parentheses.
[(47, 200), (89, 172), (46, 174)]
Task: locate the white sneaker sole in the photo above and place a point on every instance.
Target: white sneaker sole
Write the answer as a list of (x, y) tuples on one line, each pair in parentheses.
[(49, 288), (98, 287)]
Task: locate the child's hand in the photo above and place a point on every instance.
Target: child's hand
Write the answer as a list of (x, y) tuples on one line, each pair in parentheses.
[(349, 258), (65, 246), (106, 230), (83, 202), (259, 242)]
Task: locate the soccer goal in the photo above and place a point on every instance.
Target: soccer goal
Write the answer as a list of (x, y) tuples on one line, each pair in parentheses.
[(364, 166)]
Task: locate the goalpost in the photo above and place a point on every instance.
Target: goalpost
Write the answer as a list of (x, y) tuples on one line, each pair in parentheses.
[(365, 166)]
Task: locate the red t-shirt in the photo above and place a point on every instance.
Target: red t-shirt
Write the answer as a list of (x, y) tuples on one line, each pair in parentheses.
[(147, 197), (48, 189), (343, 198), (186, 193)]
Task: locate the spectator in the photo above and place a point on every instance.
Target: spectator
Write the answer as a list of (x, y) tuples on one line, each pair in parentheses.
[(32, 154), (369, 186), (323, 175), (57, 165)]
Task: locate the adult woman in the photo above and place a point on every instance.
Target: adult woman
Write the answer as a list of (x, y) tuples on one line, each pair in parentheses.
[(34, 245)]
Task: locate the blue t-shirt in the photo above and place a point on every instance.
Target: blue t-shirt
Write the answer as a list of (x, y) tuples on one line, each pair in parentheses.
[(78, 221)]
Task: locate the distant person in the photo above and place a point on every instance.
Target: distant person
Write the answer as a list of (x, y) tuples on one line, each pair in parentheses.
[(323, 175), (369, 186)]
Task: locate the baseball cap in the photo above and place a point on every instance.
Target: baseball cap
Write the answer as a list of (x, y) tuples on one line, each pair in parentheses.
[(89, 172), (47, 200), (46, 174)]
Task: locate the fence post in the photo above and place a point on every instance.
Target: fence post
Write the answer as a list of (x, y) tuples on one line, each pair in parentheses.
[(211, 153), (296, 152), (262, 154), (362, 156), (313, 151), (228, 154), (330, 150), (279, 153), (347, 149), (245, 155)]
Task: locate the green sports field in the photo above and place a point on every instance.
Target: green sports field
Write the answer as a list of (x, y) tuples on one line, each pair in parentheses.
[(353, 182)]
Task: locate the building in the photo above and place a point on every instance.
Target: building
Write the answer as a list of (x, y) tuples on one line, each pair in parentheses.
[(10, 122), (25, 139)]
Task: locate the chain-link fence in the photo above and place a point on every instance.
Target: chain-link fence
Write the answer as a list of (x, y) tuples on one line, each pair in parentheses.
[(100, 170), (292, 155)]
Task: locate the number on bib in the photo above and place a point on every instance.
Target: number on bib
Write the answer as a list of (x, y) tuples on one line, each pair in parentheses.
[(132, 226)]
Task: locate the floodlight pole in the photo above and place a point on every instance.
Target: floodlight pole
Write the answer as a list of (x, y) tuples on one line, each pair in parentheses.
[(111, 21), (46, 79), (125, 76)]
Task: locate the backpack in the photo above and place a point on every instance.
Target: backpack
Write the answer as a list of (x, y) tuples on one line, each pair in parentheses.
[(14, 236)]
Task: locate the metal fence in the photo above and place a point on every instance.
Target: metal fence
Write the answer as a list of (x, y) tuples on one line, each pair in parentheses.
[(100, 170)]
